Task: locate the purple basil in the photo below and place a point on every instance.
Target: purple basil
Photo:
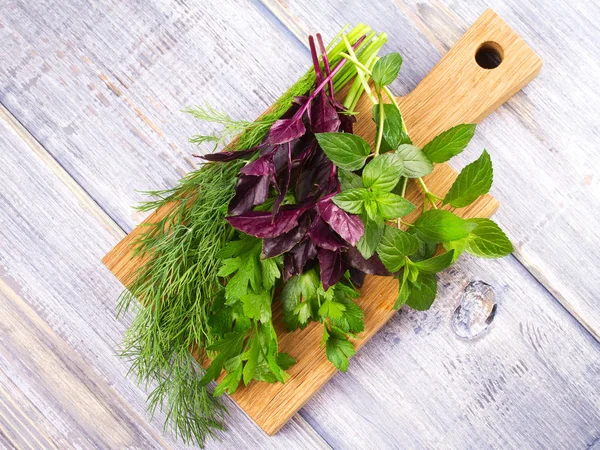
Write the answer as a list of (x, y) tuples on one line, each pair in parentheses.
[(249, 192), (349, 227), (372, 266), (323, 236), (286, 130), (285, 242), (262, 224), (297, 259), (332, 267)]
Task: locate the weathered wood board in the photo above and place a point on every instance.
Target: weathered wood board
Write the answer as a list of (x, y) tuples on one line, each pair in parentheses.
[(457, 90)]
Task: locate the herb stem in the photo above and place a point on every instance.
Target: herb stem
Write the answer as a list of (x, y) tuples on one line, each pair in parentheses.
[(380, 126), (361, 70)]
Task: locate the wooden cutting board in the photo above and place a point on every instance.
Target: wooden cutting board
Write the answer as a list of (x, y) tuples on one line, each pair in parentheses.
[(457, 90)]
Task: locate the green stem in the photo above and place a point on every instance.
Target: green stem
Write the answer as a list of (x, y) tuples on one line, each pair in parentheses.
[(380, 127), (429, 196), (404, 185), (361, 69)]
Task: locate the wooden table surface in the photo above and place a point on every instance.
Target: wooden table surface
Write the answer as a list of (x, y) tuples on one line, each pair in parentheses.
[(90, 100)]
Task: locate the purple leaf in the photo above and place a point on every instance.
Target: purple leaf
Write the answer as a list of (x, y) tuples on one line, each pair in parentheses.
[(357, 277), (283, 188), (316, 177), (323, 236), (249, 192), (262, 167), (285, 242), (296, 260), (332, 267), (285, 130), (228, 155), (262, 224), (349, 227), (372, 266), (323, 116)]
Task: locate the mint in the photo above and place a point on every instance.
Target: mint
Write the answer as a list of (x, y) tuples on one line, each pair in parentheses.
[(442, 226), (352, 200), (449, 143), (395, 246), (370, 239), (383, 172), (346, 151), (488, 240), (422, 293), (474, 180), (435, 264), (386, 69), (416, 163), (391, 206), (393, 132)]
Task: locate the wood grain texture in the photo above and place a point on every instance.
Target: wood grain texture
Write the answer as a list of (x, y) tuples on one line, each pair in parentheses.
[(100, 85), (428, 110), (59, 335)]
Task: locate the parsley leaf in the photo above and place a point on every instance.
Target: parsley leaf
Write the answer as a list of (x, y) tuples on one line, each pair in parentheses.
[(338, 348)]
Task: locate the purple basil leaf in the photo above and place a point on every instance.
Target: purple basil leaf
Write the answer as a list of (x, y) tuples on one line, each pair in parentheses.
[(372, 266), (249, 192), (285, 242), (262, 224), (347, 122), (229, 156), (285, 130), (262, 167), (332, 267), (323, 236), (357, 277), (349, 227), (295, 261), (323, 116), (283, 188), (316, 177)]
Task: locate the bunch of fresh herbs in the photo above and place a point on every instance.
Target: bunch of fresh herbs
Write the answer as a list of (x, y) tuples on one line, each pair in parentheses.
[(297, 209)]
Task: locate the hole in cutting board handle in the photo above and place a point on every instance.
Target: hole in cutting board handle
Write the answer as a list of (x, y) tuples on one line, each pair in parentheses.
[(489, 55)]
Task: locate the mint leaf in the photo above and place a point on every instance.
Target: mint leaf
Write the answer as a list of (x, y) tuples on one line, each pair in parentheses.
[(370, 239), (416, 164), (346, 151), (435, 264), (422, 294), (449, 143), (349, 180), (352, 200), (386, 69), (488, 240), (403, 291), (474, 180), (382, 172), (395, 246), (392, 206), (338, 349), (458, 246), (393, 134), (437, 225), (371, 208)]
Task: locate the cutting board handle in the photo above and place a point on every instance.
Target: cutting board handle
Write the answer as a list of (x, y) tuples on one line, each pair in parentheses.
[(464, 87)]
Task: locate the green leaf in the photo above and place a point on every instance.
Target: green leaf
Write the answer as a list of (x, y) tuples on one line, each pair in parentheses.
[(435, 264), (426, 250), (229, 266), (488, 240), (331, 309), (352, 200), (458, 246), (231, 381), (474, 180), (392, 206), (371, 209), (252, 362), (403, 291), (349, 180), (386, 69), (449, 143), (393, 133), (416, 164), (421, 298), (285, 361), (352, 318), (339, 350), (383, 172), (347, 151), (258, 306), (437, 225), (370, 239), (270, 273), (395, 246)]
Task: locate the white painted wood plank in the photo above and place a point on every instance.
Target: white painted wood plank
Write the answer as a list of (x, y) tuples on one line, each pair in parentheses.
[(375, 420), (543, 142), (52, 243)]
